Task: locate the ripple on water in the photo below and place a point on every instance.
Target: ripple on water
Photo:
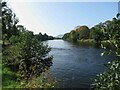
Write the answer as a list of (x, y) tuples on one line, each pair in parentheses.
[(74, 66)]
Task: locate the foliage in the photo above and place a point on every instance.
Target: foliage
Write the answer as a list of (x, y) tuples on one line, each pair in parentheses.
[(9, 22), (83, 32), (96, 33), (44, 37), (10, 78), (66, 36), (17, 53), (24, 54), (110, 80), (43, 81), (73, 36), (79, 33)]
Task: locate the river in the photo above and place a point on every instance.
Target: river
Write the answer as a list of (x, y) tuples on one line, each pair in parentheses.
[(76, 66)]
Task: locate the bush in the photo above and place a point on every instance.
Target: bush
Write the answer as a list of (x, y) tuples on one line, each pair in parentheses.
[(110, 80), (24, 55)]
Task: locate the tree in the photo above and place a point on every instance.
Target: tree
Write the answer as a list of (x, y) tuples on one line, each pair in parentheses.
[(44, 37), (9, 22), (110, 80), (97, 33), (65, 36), (37, 57), (73, 36), (23, 53), (83, 32)]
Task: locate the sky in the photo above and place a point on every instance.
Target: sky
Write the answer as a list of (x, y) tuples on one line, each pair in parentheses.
[(56, 18)]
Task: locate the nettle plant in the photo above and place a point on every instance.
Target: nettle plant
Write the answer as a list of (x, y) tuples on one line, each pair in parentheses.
[(110, 80)]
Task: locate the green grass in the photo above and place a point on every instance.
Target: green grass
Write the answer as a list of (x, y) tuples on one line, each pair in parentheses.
[(10, 80)]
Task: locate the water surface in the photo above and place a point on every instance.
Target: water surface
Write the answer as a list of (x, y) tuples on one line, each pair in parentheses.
[(75, 66)]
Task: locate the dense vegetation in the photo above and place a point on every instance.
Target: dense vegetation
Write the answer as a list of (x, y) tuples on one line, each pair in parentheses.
[(81, 32), (110, 80), (44, 37), (94, 34), (24, 56)]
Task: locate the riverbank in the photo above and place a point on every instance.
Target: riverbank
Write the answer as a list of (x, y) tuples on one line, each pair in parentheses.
[(86, 42), (92, 42)]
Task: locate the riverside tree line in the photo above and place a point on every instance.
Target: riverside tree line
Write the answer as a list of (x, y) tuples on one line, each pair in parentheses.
[(100, 32)]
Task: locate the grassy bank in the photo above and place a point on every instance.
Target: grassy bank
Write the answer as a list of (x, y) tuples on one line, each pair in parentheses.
[(10, 79)]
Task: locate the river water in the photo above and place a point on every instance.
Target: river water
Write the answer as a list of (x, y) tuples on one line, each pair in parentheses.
[(76, 66)]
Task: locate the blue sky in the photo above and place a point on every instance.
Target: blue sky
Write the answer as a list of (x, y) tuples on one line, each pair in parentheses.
[(56, 18)]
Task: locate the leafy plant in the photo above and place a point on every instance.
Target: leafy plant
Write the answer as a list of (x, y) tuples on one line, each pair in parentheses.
[(24, 54), (110, 80)]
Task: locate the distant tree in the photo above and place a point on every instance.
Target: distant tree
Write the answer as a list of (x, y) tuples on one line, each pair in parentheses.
[(83, 32), (40, 37), (45, 36), (50, 37), (73, 36), (65, 36)]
